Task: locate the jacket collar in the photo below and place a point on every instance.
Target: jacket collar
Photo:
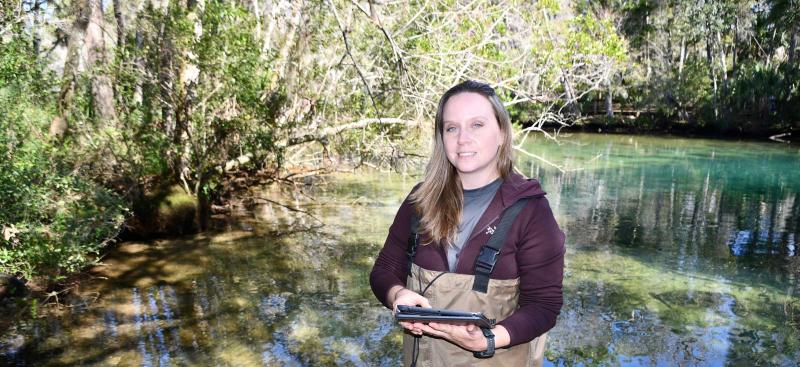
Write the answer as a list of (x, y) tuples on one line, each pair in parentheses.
[(514, 188)]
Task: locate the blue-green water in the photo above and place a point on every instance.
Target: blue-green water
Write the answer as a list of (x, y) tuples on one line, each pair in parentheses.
[(680, 252)]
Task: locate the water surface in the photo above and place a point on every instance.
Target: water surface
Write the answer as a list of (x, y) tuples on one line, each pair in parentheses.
[(680, 252)]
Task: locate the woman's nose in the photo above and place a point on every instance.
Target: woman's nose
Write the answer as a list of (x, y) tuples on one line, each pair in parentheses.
[(464, 136)]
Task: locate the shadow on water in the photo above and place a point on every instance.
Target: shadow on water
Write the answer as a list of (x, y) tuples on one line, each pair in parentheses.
[(230, 298), (680, 252)]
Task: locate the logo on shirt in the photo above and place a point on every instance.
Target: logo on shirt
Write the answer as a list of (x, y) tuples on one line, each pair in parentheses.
[(490, 230)]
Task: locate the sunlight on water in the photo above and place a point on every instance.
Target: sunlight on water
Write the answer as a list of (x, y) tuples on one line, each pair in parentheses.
[(680, 252)]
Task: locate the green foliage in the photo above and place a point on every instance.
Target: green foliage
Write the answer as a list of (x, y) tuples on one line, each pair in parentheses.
[(694, 62), (684, 91), (63, 221), (196, 86), (20, 71), (54, 219), (227, 114), (235, 82), (549, 5), (592, 36), (759, 92)]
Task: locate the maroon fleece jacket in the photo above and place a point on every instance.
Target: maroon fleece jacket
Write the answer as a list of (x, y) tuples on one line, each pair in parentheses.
[(534, 252)]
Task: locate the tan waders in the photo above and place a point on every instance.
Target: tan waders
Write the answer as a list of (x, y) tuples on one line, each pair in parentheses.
[(497, 299), (454, 291)]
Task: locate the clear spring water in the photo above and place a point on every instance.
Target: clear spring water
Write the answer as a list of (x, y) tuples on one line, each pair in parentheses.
[(680, 252)]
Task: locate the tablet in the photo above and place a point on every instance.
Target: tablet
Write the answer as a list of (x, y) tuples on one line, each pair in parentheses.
[(422, 314)]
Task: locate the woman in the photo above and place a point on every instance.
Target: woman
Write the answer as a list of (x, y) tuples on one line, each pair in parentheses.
[(468, 192)]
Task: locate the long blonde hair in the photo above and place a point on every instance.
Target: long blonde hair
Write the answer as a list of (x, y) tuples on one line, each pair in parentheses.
[(439, 199)]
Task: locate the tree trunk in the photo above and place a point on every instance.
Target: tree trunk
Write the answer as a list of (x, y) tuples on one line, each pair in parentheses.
[(273, 11), (792, 56), (713, 75), (102, 91), (257, 13), (609, 102), (723, 62), (37, 40), (724, 66), (203, 212), (165, 87), (295, 63), (683, 57), (716, 92), (792, 45), (668, 54), (120, 25), (138, 96), (290, 41), (734, 50), (647, 60), (771, 54), (571, 105), (188, 78), (72, 67)]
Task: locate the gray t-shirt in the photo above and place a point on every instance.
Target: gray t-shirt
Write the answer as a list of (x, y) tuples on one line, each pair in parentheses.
[(475, 203)]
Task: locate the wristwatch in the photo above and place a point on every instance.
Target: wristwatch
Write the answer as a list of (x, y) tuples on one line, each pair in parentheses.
[(489, 344)]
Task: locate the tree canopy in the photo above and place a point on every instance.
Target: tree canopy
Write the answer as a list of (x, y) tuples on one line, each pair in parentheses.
[(104, 104)]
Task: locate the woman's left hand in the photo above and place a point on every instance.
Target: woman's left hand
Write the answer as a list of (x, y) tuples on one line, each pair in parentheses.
[(469, 336)]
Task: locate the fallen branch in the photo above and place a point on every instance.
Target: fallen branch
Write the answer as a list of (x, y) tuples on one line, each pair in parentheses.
[(288, 207), (334, 130), (518, 148), (779, 136)]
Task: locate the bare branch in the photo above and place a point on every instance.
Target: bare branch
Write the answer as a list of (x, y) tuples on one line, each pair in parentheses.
[(350, 54), (298, 210), (334, 130)]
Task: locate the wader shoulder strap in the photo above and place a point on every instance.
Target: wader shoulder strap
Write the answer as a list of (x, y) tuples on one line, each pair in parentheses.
[(413, 241), (487, 258)]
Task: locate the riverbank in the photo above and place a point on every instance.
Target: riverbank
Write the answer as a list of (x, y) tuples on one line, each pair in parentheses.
[(157, 236), (217, 296), (654, 126)]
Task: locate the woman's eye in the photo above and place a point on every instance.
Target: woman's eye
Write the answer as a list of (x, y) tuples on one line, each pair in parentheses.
[(477, 124), (450, 129)]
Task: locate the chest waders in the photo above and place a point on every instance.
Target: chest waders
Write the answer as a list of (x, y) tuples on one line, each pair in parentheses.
[(497, 299)]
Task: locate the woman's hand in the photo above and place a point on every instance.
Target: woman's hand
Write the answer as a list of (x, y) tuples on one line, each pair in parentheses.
[(407, 297), (469, 336)]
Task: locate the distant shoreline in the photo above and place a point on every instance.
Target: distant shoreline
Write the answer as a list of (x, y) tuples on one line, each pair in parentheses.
[(632, 126)]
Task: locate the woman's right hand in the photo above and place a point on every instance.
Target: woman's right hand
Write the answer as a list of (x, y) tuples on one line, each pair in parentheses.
[(407, 297)]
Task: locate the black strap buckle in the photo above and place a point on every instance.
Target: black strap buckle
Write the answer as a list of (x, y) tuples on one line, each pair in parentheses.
[(486, 260)]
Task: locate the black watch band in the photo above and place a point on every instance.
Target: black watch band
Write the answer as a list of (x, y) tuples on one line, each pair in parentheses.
[(489, 344)]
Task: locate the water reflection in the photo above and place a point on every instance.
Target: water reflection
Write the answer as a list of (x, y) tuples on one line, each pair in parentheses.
[(680, 252), (689, 244)]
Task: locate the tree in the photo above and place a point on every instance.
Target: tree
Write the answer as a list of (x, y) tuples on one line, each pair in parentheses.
[(86, 40)]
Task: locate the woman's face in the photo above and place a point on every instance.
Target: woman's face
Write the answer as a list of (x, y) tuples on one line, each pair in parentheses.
[(472, 138)]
